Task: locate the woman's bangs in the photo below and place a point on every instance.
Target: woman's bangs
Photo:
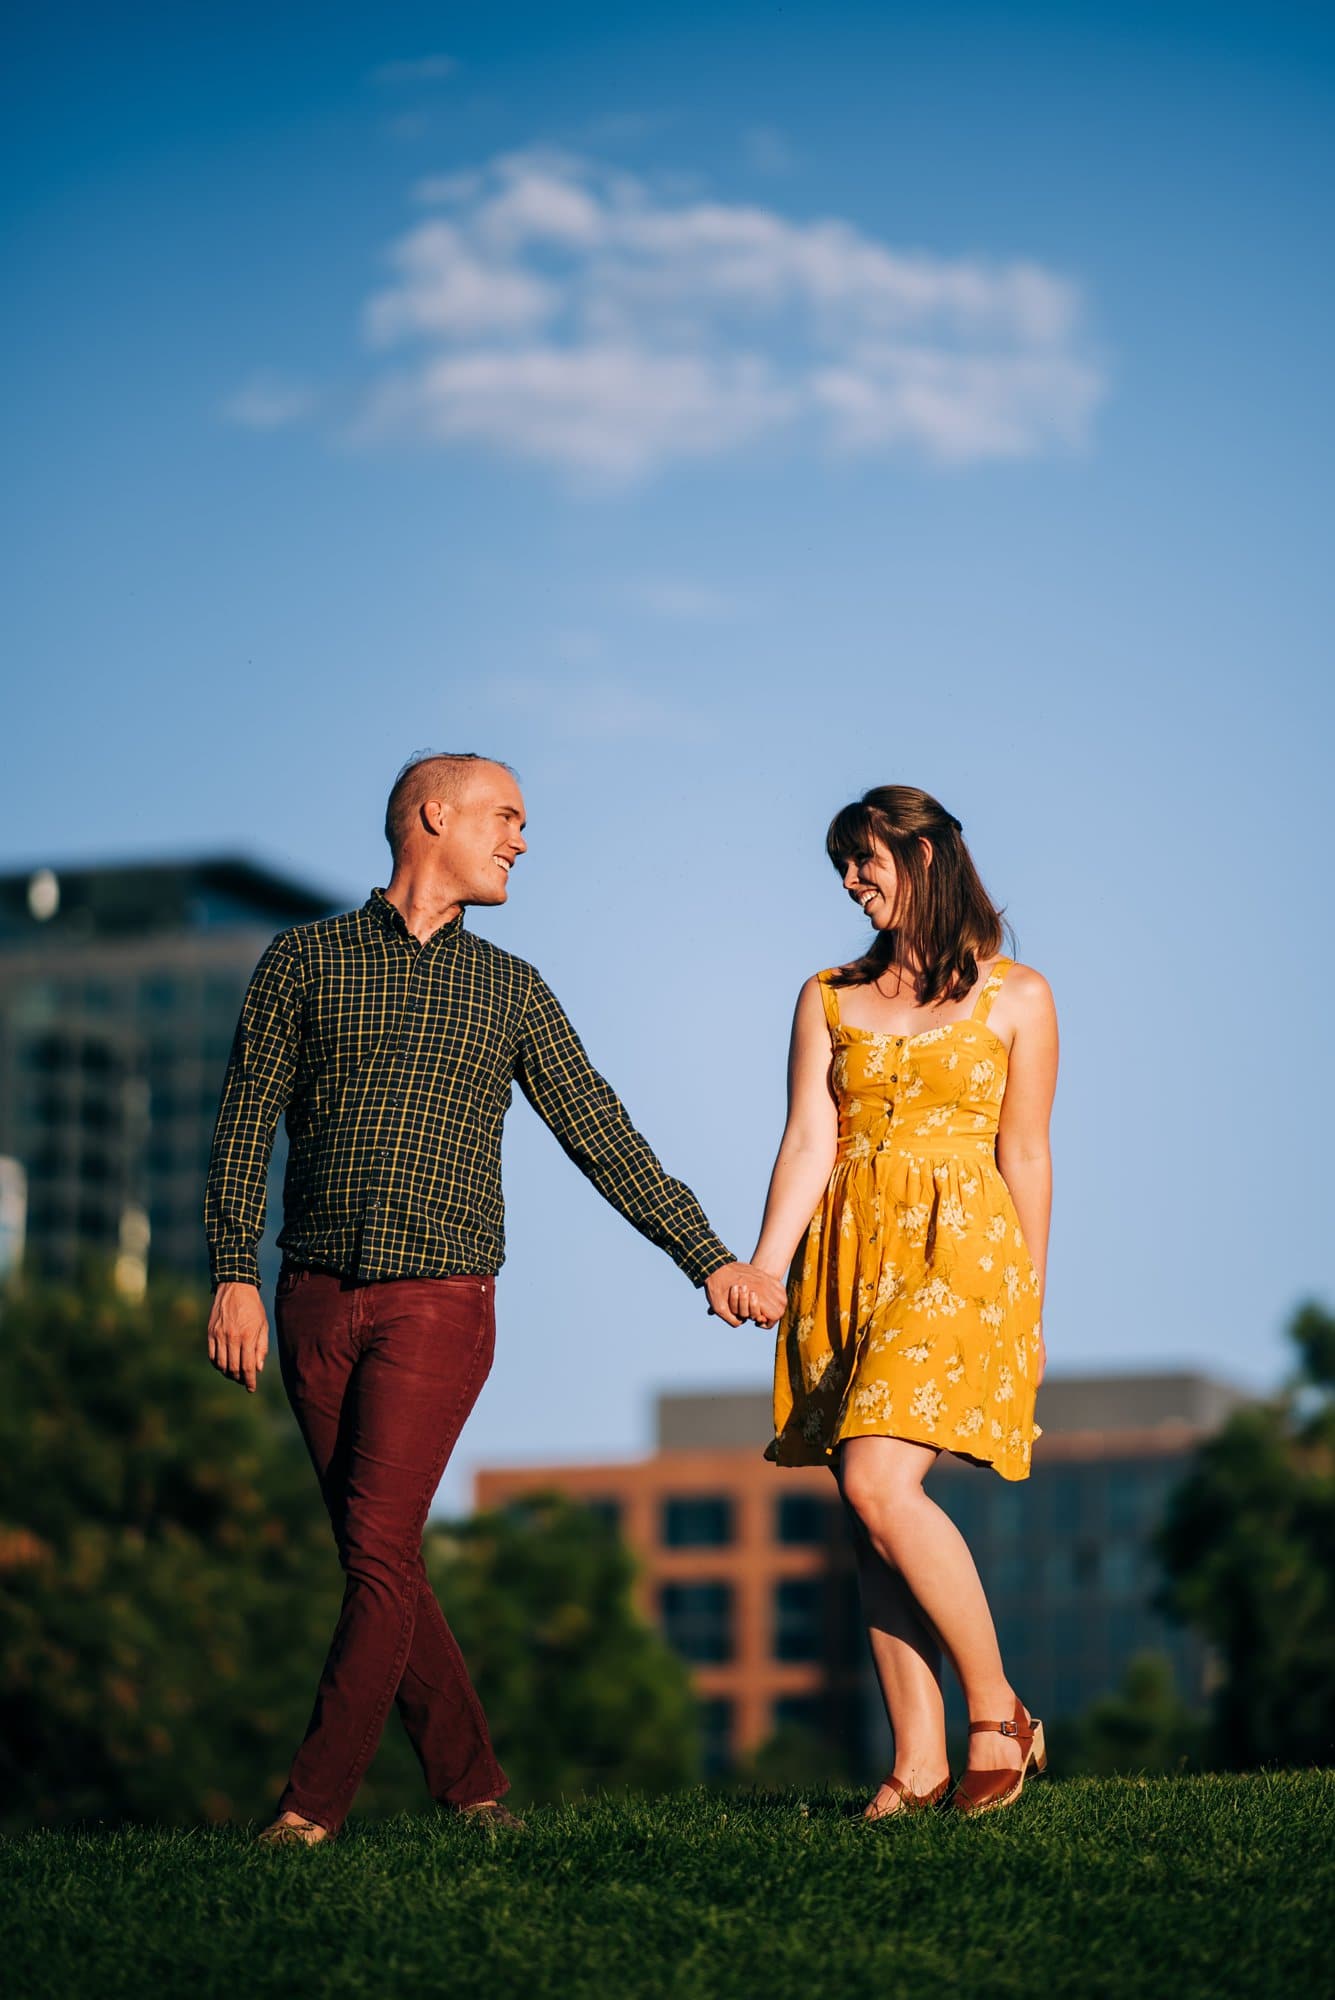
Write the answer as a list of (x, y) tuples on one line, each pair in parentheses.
[(850, 834)]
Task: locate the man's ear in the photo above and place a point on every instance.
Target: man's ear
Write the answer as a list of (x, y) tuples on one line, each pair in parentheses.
[(434, 816)]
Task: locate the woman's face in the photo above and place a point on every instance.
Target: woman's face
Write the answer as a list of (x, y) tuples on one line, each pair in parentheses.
[(872, 880)]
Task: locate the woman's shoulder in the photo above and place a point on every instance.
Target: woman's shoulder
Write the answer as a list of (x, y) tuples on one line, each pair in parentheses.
[(1023, 994)]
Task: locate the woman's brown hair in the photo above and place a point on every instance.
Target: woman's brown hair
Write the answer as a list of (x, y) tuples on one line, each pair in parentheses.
[(944, 919)]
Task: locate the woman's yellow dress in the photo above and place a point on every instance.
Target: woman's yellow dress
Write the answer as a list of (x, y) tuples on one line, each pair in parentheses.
[(913, 1304)]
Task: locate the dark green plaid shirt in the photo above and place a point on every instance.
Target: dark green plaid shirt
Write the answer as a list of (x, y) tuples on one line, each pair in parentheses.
[(393, 1061)]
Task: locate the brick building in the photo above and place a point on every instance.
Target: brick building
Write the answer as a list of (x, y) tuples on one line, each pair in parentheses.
[(746, 1569)]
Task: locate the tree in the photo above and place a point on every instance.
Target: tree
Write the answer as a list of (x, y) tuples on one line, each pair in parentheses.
[(169, 1582), (581, 1693), (1249, 1549), (1144, 1727)]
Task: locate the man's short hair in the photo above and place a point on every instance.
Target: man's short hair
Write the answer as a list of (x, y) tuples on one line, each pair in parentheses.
[(431, 774)]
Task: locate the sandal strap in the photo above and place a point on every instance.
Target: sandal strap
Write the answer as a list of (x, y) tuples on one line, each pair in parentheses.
[(999, 1728)]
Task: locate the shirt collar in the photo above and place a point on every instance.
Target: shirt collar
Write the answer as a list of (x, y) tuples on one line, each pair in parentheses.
[(379, 907)]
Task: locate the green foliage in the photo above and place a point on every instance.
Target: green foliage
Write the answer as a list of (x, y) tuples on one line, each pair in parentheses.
[(580, 1692), (169, 1583), (168, 1580), (1144, 1727), (1249, 1549), (1085, 1890), (795, 1755)]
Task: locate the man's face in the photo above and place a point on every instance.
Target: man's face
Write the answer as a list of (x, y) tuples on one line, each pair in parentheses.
[(482, 835)]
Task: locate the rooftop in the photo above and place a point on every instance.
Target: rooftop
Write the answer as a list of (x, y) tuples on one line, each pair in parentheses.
[(1173, 1403), (69, 905)]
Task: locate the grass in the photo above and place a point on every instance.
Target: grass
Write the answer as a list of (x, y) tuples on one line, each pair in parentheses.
[(1183, 1887)]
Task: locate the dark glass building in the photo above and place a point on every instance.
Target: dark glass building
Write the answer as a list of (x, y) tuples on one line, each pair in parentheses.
[(119, 993)]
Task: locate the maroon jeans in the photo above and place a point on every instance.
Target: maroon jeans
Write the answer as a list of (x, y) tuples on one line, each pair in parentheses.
[(381, 1378)]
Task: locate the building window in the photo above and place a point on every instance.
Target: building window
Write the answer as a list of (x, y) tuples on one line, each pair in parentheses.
[(801, 1711), (697, 1521), (1011, 1574), (1064, 1495), (697, 1621), (1057, 1572), (1085, 1565), (715, 1737), (1122, 1569), (1134, 1495), (804, 1519), (965, 1506), (1005, 1518), (160, 994), (799, 1618)]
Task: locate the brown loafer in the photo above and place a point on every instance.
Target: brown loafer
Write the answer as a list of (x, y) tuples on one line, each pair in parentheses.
[(985, 1791), (909, 1802), (294, 1833), (492, 1815)]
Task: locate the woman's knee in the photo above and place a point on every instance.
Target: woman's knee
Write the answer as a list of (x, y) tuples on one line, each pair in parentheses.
[(872, 1502), (879, 1489)]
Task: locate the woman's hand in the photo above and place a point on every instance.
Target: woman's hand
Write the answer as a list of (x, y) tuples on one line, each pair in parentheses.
[(760, 1296), (744, 1291)]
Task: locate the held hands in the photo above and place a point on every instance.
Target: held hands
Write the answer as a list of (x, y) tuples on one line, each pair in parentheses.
[(238, 1333), (744, 1291)]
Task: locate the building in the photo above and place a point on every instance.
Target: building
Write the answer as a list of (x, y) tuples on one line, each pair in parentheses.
[(119, 993), (747, 1569)]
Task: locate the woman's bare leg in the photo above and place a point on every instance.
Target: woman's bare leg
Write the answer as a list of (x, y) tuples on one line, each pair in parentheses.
[(881, 1480), (907, 1659)]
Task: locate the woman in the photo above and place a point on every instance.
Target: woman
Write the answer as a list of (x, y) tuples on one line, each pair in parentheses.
[(921, 1079)]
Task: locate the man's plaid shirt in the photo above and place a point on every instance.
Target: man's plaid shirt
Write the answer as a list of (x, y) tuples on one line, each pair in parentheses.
[(393, 1061)]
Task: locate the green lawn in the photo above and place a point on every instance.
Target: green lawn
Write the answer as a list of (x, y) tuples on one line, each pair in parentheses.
[(1183, 1887)]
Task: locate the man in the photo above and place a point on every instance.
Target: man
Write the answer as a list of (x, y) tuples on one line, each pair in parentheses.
[(390, 1036)]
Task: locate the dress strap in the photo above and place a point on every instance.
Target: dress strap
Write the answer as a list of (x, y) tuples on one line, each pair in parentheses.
[(829, 998), (990, 989)]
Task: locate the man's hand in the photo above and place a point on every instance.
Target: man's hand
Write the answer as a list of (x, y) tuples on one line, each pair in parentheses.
[(238, 1333), (744, 1291)]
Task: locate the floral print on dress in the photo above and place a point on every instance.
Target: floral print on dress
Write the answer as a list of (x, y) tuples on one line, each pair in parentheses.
[(914, 1260)]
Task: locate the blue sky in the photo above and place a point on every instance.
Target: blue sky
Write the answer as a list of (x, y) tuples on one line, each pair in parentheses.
[(714, 412)]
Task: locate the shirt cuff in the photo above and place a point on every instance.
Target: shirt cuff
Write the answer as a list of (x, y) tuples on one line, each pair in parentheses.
[(701, 1261), (235, 1267)]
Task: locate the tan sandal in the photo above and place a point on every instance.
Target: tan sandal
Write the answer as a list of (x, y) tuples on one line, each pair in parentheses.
[(985, 1791), (490, 1813), (294, 1833)]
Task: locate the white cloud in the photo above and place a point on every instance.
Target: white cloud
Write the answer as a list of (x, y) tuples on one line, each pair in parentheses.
[(268, 403), (609, 412), (446, 288), (416, 69), (556, 308)]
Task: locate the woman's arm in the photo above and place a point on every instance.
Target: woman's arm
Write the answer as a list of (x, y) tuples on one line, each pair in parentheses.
[(1023, 1153), (807, 1149)]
